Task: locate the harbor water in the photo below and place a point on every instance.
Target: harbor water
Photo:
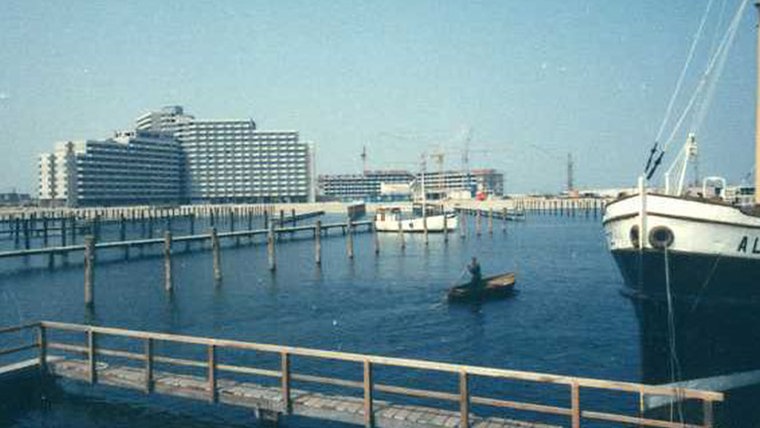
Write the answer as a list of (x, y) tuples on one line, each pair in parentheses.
[(568, 316)]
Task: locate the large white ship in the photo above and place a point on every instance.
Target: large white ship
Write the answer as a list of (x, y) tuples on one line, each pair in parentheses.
[(688, 243)]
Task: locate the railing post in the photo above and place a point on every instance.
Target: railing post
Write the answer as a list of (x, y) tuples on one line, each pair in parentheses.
[(285, 380), (212, 374), (575, 404), (707, 413), (148, 365), (42, 346), (91, 361), (464, 400), (369, 414)]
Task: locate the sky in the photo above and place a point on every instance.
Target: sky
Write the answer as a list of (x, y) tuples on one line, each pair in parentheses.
[(526, 82)]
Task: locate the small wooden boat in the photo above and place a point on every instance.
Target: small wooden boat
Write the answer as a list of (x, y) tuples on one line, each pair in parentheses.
[(494, 287)]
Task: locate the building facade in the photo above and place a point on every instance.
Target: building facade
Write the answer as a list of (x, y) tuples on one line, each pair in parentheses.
[(400, 185), (367, 186), (461, 184), (231, 161), (141, 167), (172, 158)]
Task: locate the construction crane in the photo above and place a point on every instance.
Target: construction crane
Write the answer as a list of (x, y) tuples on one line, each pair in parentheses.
[(364, 159)]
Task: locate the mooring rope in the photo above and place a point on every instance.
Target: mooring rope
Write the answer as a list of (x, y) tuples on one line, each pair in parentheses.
[(675, 366)]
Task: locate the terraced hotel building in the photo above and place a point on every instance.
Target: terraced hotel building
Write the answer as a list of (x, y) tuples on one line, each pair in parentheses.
[(174, 158)]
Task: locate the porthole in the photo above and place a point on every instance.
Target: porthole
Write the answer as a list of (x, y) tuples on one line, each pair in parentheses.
[(661, 237), (633, 235)]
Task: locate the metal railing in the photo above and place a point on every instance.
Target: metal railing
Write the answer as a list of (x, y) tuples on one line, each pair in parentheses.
[(463, 397)]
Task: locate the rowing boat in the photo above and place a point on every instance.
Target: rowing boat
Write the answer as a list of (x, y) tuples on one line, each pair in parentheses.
[(492, 287)]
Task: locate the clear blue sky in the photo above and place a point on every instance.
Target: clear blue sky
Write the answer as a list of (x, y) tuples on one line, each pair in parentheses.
[(534, 80)]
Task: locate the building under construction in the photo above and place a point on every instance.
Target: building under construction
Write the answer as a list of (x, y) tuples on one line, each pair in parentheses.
[(398, 185)]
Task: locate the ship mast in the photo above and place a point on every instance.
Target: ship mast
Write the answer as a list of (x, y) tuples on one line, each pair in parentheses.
[(757, 116)]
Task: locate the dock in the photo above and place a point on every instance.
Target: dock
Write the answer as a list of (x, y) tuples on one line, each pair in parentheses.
[(225, 375)]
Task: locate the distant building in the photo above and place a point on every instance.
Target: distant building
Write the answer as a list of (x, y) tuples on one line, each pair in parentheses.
[(232, 161), (14, 199), (401, 185), (130, 168), (461, 184), (367, 186)]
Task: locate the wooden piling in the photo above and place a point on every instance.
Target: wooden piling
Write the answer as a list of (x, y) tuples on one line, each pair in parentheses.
[(401, 234), (270, 248), (122, 228), (477, 222), (504, 214), (73, 222), (462, 224), (216, 255), (17, 235), (490, 221), (318, 243), (445, 227), (424, 223), (63, 232), (26, 234), (89, 267), (375, 239), (168, 261), (349, 239), (44, 231)]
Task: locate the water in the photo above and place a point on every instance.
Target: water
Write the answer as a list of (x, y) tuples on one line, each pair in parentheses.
[(568, 317)]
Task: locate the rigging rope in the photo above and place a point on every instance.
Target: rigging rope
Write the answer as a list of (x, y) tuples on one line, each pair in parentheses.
[(677, 90), (719, 58), (712, 84), (675, 366), (682, 76)]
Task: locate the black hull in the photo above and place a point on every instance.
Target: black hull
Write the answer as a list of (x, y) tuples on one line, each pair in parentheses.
[(707, 278), (710, 341), (715, 321)]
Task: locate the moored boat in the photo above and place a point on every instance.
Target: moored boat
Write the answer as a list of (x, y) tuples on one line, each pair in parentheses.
[(391, 220), (494, 287), (687, 243)]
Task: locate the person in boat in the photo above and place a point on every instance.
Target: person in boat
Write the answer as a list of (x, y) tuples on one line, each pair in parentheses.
[(476, 278)]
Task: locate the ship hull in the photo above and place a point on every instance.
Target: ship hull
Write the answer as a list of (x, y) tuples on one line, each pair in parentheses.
[(712, 250), (692, 271), (417, 225)]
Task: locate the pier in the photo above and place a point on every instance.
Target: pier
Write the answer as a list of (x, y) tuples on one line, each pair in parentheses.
[(225, 374)]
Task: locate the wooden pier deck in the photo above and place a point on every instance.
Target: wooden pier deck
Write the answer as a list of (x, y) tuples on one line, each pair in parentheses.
[(270, 399), (132, 365)]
